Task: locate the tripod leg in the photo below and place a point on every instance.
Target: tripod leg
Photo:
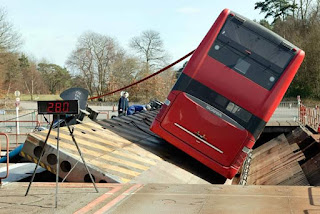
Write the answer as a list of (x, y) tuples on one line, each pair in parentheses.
[(58, 157), (75, 142), (42, 153)]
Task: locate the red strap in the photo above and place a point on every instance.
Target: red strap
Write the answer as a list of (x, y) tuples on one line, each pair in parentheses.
[(148, 77)]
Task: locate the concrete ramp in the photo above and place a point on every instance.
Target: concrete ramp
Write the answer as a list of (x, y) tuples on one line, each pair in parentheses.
[(118, 150), (160, 198)]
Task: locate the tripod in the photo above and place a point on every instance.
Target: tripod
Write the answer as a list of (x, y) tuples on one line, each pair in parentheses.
[(57, 173)]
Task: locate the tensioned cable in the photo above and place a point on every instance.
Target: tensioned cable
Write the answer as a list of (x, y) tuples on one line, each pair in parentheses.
[(148, 77), (14, 118)]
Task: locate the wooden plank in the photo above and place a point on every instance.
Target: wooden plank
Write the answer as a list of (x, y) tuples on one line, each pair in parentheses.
[(276, 163), (124, 131), (279, 165), (297, 136), (276, 176), (263, 148), (270, 156), (311, 168), (284, 175), (298, 179)]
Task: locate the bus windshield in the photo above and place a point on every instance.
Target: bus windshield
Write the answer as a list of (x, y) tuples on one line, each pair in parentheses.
[(250, 54)]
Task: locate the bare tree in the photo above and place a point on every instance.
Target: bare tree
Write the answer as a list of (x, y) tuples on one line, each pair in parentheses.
[(149, 46), (9, 42), (10, 39), (93, 58), (31, 77), (12, 75), (81, 61), (124, 71)]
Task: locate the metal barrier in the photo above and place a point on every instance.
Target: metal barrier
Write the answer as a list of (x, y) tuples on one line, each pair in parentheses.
[(7, 143), (16, 124), (34, 123), (288, 104), (309, 116), (106, 113)]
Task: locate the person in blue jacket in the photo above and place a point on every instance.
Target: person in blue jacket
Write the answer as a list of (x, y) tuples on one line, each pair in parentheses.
[(123, 104), (137, 108)]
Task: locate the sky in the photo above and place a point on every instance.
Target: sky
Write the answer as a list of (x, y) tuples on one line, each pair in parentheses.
[(50, 29)]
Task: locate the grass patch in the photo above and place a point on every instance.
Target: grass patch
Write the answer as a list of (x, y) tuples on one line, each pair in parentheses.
[(27, 97)]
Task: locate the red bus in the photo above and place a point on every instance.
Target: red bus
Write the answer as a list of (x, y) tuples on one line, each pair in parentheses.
[(227, 92)]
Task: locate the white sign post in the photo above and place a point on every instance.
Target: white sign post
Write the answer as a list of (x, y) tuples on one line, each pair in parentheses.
[(17, 94)]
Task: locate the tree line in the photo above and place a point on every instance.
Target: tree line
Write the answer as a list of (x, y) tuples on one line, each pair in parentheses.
[(298, 21), (97, 63)]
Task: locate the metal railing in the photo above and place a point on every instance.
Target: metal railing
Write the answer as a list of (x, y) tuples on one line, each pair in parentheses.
[(288, 104), (12, 128), (106, 113), (309, 116), (7, 154)]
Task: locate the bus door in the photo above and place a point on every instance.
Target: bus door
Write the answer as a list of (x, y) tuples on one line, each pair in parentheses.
[(205, 128)]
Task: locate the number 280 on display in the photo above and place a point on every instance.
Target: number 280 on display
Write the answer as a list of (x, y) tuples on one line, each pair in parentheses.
[(58, 107)]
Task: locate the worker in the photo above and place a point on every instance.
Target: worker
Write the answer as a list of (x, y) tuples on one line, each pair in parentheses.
[(138, 108), (123, 103)]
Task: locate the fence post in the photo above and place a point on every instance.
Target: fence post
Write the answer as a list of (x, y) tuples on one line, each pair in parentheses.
[(32, 117), (299, 103), (17, 117), (7, 154)]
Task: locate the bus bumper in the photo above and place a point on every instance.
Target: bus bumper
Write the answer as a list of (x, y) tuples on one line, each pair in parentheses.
[(226, 171)]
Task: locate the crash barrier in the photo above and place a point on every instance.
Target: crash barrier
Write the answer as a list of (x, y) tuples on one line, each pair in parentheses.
[(104, 114), (309, 116), (18, 124), (16, 128), (288, 104), (7, 154)]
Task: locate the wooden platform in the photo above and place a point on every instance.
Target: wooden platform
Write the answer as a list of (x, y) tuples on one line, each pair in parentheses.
[(276, 163)]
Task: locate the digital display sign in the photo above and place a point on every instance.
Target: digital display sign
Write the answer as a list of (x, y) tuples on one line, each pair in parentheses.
[(58, 107)]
